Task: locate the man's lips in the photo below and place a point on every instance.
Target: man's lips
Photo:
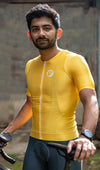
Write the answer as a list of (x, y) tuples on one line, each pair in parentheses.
[(41, 40)]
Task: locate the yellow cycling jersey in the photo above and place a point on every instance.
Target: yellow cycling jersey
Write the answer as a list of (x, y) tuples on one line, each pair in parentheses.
[(54, 87)]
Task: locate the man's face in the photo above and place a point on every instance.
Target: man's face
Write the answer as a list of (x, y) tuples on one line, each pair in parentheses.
[(43, 33)]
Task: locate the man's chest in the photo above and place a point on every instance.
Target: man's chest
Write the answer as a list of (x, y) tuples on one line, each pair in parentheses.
[(48, 79)]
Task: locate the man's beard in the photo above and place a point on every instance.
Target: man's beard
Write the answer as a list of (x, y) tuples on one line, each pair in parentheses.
[(46, 45)]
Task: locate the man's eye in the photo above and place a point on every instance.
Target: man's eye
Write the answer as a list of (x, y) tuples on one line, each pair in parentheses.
[(35, 29), (47, 28)]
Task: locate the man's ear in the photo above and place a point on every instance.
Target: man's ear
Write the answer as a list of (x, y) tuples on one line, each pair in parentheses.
[(59, 33), (29, 36)]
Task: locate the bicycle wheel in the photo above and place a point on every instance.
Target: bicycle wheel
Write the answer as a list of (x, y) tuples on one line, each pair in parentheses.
[(3, 168)]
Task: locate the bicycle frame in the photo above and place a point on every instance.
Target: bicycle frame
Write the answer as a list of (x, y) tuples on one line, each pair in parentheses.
[(69, 157), (3, 168)]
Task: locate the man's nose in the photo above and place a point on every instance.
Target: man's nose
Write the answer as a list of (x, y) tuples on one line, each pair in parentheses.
[(42, 33)]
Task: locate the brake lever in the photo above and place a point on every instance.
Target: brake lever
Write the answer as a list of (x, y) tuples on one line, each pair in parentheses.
[(6, 137)]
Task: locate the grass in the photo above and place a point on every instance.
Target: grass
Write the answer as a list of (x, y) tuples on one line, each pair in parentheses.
[(93, 163), (15, 156), (17, 166)]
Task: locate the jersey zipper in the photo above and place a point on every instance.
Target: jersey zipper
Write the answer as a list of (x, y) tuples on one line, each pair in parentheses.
[(41, 85)]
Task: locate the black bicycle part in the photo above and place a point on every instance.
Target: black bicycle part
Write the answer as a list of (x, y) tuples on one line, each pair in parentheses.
[(3, 168), (6, 157), (63, 148), (6, 137)]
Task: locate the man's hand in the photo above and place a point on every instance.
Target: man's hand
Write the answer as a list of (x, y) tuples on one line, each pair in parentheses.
[(5, 137), (84, 148), (2, 144)]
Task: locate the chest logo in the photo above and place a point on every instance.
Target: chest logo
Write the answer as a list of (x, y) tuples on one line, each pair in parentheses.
[(50, 73)]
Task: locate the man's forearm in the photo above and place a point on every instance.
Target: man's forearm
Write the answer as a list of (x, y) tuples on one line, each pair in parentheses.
[(84, 147), (22, 117), (91, 112), (90, 118)]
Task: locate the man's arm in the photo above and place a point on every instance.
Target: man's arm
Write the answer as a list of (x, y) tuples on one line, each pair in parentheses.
[(22, 117), (90, 114), (90, 117)]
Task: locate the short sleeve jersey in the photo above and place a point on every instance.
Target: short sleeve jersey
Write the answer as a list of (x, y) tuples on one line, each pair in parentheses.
[(54, 87)]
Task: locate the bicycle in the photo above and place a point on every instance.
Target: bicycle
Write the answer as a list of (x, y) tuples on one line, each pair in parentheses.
[(5, 137), (68, 156)]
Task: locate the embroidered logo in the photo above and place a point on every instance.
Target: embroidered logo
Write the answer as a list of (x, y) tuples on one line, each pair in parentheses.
[(50, 73)]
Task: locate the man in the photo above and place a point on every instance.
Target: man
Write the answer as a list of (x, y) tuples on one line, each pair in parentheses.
[(55, 81)]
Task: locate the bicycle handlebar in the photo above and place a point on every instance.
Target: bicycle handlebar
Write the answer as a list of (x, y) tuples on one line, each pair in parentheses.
[(6, 137), (6, 157), (63, 148)]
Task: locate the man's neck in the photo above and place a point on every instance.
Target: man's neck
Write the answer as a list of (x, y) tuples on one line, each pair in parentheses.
[(49, 53)]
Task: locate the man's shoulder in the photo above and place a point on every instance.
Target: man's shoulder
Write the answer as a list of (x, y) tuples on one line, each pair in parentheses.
[(30, 63), (71, 56), (73, 59), (74, 55), (33, 60)]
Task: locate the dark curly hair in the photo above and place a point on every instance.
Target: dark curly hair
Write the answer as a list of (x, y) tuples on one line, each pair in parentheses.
[(43, 10)]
